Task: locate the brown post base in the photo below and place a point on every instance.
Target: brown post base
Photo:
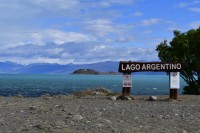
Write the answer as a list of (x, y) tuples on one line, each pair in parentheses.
[(126, 91), (173, 94)]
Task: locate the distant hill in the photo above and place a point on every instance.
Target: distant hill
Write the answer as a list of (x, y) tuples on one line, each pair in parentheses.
[(10, 67), (46, 68)]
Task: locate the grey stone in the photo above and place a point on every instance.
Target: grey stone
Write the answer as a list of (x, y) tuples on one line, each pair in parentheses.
[(113, 98), (123, 98), (99, 125), (22, 129), (71, 113), (77, 117), (128, 98), (32, 107), (65, 110), (152, 98), (43, 126), (60, 124), (99, 93)]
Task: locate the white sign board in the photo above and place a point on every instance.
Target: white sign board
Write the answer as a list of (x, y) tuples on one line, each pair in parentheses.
[(174, 80), (127, 80)]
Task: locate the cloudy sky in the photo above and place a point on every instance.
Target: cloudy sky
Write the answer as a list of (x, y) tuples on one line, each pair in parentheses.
[(87, 31)]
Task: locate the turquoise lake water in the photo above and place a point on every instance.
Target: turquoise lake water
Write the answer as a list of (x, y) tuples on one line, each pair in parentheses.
[(37, 85)]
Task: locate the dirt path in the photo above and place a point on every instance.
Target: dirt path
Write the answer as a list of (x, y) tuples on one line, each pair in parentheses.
[(99, 114)]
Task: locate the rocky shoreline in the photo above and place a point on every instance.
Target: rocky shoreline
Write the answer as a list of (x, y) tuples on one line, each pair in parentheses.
[(95, 112)]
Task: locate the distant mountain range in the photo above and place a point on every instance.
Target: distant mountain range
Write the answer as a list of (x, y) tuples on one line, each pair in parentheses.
[(46, 68)]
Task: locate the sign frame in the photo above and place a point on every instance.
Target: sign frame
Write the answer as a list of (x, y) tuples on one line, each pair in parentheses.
[(125, 66)]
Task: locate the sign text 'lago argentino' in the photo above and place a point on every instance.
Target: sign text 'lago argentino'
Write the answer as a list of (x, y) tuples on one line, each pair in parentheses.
[(148, 66)]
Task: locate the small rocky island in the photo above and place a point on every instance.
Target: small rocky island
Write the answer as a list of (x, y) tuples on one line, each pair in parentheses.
[(90, 71)]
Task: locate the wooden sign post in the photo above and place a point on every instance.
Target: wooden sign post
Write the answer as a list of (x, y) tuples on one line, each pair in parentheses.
[(127, 84), (174, 84), (128, 67)]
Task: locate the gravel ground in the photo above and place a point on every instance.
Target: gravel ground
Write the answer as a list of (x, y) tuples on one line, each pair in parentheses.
[(97, 113)]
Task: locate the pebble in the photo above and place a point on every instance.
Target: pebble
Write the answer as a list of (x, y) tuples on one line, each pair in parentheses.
[(64, 110), (57, 106), (99, 125), (77, 117), (60, 124), (71, 113), (2, 121), (32, 107), (108, 121), (113, 98), (123, 98), (88, 121), (152, 98), (72, 123), (136, 117), (128, 98)]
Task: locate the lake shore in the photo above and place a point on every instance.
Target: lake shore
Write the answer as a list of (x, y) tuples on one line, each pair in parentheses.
[(96, 112)]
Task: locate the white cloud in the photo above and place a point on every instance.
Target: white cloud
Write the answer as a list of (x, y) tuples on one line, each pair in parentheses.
[(105, 28), (149, 22), (45, 60), (172, 26), (57, 4), (185, 4), (138, 14), (195, 9), (37, 21), (101, 27), (55, 51), (146, 32), (125, 39), (12, 10), (26, 61), (195, 24), (75, 53), (111, 2), (61, 37), (191, 6), (66, 31), (41, 36)]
